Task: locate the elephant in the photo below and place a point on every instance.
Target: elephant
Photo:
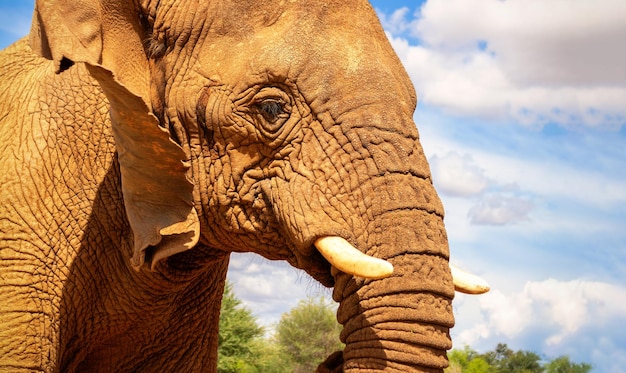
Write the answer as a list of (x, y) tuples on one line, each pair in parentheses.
[(145, 141)]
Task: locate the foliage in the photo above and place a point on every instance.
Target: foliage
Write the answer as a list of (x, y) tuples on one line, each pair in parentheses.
[(305, 336), (242, 348), (562, 364), (504, 360), (467, 361), (308, 334)]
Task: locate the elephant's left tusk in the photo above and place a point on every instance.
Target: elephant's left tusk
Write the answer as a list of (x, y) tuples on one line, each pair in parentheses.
[(468, 283), (345, 257)]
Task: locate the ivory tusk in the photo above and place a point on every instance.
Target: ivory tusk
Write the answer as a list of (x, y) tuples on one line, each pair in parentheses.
[(345, 257), (468, 283)]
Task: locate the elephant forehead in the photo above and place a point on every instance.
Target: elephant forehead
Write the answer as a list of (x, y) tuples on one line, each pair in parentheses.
[(327, 57)]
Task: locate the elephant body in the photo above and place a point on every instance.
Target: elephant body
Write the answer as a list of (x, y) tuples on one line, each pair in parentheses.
[(70, 299), (143, 142)]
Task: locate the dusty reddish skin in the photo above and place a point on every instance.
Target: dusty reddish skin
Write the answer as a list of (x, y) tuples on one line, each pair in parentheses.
[(142, 143)]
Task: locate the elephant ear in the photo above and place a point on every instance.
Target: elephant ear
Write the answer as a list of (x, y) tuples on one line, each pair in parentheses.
[(157, 193), (58, 32)]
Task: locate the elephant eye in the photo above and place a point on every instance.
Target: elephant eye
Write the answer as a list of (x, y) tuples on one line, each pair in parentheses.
[(271, 109)]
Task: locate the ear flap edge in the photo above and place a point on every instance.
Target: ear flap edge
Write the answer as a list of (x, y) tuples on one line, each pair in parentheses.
[(158, 196)]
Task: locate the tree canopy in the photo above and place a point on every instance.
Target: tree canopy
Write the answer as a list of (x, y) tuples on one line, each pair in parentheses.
[(562, 364), (243, 347), (504, 360), (308, 334), (304, 337)]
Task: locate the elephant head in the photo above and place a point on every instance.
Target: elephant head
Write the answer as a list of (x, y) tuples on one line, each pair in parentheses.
[(279, 128)]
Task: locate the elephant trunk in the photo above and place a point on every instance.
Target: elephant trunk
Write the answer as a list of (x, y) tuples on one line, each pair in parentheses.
[(400, 323)]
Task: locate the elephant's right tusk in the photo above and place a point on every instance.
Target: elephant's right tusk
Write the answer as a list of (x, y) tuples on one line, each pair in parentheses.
[(468, 283), (345, 257)]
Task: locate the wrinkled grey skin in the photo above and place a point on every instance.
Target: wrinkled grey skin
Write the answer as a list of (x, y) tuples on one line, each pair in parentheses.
[(141, 143)]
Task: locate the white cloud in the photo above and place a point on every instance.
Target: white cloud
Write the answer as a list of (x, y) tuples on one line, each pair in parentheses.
[(270, 288), (560, 42), (560, 308), (575, 304), (457, 175), (582, 174), (508, 315), (555, 180), (396, 22), (500, 210), (530, 61), (578, 318)]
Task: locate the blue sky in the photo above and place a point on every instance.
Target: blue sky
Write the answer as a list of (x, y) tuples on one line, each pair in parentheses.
[(522, 114)]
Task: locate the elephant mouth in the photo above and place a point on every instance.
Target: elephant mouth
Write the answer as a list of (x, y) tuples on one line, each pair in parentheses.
[(311, 262), (329, 255)]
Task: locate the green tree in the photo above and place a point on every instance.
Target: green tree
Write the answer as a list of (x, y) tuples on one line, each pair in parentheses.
[(458, 361), (467, 361), (562, 364), (505, 360), (242, 348), (479, 365), (308, 334)]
